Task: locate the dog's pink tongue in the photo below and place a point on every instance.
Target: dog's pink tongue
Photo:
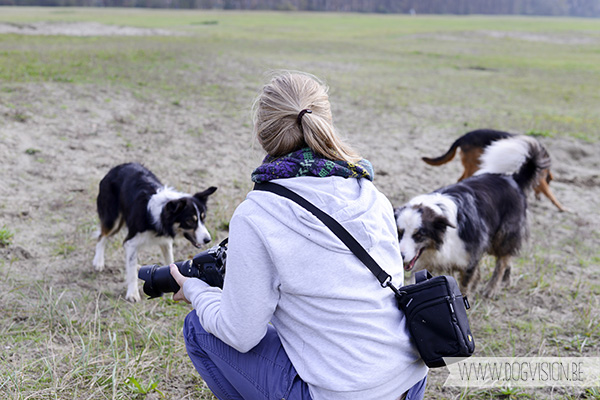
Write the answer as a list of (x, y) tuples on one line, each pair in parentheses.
[(412, 262)]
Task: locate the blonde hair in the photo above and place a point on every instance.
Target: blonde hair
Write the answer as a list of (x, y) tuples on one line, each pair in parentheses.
[(280, 131)]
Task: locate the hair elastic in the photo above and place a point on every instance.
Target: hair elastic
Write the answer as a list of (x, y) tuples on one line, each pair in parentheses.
[(300, 115)]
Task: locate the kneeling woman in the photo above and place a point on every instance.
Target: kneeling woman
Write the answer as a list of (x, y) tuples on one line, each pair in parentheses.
[(299, 316)]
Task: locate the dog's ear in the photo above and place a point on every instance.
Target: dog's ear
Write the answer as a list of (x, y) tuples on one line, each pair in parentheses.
[(175, 207), (441, 223), (398, 211), (202, 196)]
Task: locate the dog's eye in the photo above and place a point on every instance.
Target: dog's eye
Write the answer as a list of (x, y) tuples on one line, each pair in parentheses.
[(400, 233), (202, 216), (418, 235), (190, 222)]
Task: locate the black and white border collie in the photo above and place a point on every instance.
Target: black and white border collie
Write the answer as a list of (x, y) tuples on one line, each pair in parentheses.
[(154, 214), (452, 228)]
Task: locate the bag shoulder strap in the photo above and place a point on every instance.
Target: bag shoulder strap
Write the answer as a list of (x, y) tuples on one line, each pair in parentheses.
[(422, 275), (383, 277)]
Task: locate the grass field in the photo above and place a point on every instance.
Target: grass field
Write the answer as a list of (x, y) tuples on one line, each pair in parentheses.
[(401, 87), (552, 86)]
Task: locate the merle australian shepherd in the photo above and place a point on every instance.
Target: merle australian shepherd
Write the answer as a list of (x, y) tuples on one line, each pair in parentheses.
[(452, 228), (154, 214)]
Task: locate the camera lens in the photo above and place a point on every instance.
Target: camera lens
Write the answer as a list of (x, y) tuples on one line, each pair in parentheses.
[(158, 279), (208, 266)]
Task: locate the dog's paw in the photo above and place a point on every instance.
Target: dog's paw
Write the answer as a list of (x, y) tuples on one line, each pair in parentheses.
[(133, 297), (98, 265), (490, 292)]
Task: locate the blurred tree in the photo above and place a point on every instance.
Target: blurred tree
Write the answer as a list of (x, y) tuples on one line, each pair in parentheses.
[(576, 8)]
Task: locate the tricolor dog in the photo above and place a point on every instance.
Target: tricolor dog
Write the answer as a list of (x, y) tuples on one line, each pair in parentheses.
[(154, 214), (472, 146), (452, 228)]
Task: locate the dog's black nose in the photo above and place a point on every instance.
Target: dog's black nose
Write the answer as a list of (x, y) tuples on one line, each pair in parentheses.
[(206, 240)]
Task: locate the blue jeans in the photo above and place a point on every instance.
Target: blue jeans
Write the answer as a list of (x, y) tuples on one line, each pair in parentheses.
[(265, 372)]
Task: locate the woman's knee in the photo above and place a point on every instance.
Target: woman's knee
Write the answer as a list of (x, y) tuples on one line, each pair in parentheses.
[(191, 322), (192, 330)]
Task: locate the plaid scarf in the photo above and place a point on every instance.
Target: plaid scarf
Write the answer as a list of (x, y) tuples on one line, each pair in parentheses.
[(305, 162)]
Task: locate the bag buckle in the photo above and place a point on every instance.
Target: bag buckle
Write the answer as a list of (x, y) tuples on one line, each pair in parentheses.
[(387, 282)]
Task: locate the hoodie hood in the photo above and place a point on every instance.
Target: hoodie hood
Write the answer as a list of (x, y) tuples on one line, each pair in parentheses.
[(354, 203)]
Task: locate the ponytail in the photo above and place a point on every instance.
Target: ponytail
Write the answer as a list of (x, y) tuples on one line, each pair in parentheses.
[(292, 112)]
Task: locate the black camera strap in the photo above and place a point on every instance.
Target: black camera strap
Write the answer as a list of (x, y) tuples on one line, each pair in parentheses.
[(359, 251)]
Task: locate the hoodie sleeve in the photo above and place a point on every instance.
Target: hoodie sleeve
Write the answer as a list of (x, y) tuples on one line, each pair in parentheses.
[(239, 314)]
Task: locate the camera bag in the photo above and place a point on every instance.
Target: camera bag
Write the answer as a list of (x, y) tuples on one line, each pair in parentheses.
[(434, 307), (437, 318)]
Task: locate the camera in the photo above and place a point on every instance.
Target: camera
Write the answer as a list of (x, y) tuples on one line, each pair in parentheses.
[(208, 266)]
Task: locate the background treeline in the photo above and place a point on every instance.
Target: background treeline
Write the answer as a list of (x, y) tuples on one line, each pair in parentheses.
[(579, 8)]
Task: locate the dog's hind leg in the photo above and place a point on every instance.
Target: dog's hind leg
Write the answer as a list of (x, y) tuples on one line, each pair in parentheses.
[(111, 221), (470, 276), (501, 272), (99, 256), (131, 270), (106, 231), (544, 188), (506, 277)]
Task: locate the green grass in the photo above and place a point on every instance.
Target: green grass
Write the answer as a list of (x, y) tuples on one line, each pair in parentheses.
[(87, 342), (6, 236), (519, 84)]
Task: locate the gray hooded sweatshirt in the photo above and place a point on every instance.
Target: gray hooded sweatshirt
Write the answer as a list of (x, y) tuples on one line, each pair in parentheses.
[(341, 330)]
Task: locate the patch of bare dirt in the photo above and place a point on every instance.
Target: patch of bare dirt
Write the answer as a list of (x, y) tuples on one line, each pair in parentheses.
[(81, 29), (66, 138), (540, 37)]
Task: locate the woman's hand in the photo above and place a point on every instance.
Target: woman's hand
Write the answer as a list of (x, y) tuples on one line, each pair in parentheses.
[(180, 279)]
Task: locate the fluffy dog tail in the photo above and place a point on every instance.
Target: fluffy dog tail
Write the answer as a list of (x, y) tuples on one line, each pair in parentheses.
[(523, 157)]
